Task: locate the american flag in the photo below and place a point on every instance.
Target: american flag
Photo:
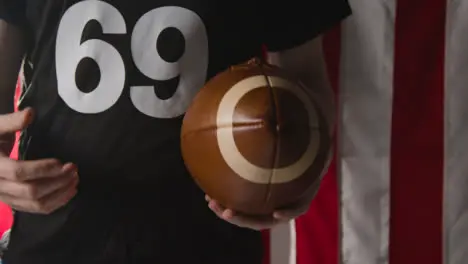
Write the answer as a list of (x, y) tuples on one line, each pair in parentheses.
[(397, 192)]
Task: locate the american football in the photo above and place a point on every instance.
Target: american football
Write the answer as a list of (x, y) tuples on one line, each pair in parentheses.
[(254, 140)]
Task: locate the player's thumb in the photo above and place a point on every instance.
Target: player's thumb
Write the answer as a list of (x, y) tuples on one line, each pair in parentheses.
[(11, 123)]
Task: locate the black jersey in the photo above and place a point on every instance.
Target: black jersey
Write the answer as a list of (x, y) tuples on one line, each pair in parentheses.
[(110, 82)]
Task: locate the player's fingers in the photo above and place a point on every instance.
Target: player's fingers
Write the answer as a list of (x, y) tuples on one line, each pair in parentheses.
[(36, 190), (295, 210), (289, 214), (10, 123), (29, 170), (256, 223), (59, 198), (216, 207), (45, 205)]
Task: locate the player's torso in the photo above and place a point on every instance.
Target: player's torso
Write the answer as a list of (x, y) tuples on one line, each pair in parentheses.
[(110, 80)]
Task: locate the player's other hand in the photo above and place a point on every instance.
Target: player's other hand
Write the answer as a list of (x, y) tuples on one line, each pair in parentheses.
[(38, 186), (259, 223)]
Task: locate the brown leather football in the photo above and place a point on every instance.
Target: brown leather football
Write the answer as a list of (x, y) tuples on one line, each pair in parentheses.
[(254, 140)]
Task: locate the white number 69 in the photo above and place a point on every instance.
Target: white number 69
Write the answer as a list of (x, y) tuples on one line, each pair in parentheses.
[(191, 67)]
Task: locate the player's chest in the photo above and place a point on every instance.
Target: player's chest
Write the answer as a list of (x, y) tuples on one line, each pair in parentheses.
[(151, 55), (137, 27), (138, 15)]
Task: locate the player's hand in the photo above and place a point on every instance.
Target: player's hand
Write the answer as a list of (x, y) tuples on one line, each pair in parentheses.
[(259, 223), (39, 186)]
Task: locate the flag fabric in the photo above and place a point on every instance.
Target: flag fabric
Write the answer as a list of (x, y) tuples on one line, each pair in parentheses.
[(397, 191)]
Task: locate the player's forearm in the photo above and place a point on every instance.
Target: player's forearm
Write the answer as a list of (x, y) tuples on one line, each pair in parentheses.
[(308, 65), (11, 54), (323, 95)]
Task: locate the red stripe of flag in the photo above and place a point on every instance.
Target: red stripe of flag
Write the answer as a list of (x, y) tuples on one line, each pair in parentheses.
[(417, 147)]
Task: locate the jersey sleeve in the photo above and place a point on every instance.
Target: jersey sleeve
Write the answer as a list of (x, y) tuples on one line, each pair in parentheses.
[(13, 11), (287, 24)]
